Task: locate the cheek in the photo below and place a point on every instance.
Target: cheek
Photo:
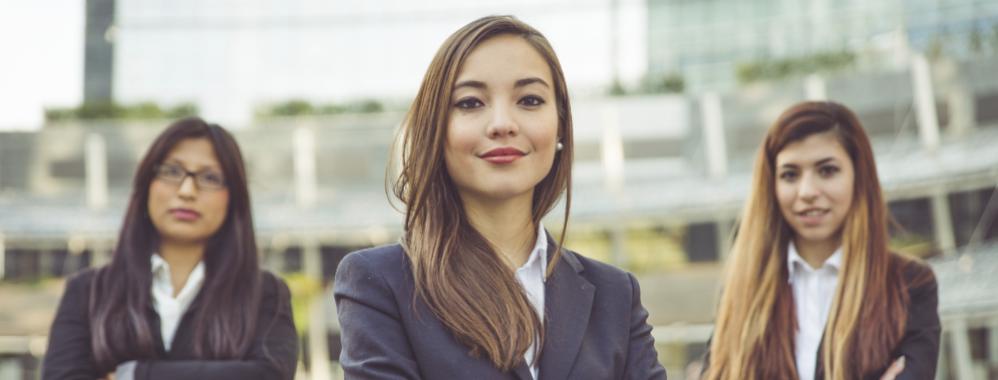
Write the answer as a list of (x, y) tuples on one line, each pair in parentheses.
[(159, 197), (785, 194), (219, 206), (844, 195), (451, 162), (844, 192), (459, 148), (461, 136), (550, 125)]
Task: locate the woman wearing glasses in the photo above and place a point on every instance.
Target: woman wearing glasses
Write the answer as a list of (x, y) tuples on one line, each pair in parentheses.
[(183, 296), (478, 289)]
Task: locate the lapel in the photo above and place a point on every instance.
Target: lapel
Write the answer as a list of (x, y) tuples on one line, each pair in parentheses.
[(157, 335), (183, 339), (522, 372), (819, 365), (568, 301)]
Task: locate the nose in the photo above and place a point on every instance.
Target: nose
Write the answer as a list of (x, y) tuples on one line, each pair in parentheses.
[(808, 189), (188, 189), (502, 122)]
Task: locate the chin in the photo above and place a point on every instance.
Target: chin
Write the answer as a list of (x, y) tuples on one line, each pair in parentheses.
[(815, 235), (184, 236), (502, 191)]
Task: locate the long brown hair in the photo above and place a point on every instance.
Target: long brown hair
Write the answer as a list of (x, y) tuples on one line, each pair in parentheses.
[(756, 322), (226, 317), (457, 272)]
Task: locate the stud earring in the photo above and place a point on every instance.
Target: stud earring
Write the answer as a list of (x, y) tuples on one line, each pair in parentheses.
[(559, 146)]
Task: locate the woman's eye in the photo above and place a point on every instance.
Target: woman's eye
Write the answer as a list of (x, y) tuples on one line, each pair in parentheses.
[(172, 171), (531, 101), (468, 103), (829, 170), (213, 178), (788, 176)]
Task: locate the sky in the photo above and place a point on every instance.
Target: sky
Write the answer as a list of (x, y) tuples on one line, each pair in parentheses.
[(42, 64), (232, 56)]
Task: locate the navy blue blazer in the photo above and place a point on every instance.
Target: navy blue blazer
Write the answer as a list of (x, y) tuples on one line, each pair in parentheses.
[(595, 325)]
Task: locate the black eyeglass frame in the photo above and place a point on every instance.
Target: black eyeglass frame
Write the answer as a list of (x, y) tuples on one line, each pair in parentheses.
[(202, 182)]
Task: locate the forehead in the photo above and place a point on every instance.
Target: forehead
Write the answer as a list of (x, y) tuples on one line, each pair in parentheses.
[(194, 153), (504, 58), (813, 148)]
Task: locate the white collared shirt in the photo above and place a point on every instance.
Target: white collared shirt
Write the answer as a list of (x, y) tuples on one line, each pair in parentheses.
[(813, 293), (171, 309), (531, 277)]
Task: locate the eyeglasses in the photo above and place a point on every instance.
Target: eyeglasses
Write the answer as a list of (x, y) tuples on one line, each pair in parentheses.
[(205, 180)]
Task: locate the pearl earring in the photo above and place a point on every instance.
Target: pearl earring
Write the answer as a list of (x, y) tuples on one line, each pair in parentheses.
[(559, 146)]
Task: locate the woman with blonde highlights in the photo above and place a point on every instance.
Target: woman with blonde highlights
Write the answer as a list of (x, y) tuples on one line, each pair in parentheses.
[(477, 289), (811, 289)]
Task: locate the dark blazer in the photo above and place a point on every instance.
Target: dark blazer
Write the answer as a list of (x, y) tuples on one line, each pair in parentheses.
[(69, 354), (596, 326), (920, 342)]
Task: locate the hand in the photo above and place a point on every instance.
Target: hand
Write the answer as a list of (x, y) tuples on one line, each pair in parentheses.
[(894, 370)]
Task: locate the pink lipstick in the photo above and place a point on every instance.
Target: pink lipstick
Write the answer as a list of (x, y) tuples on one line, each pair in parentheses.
[(185, 214), (503, 155)]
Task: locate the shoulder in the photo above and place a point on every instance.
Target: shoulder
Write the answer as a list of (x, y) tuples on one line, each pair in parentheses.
[(916, 275), (388, 260), (272, 284), (383, 269), (915, 272), (75, 299), (599, 273), (83, 278), (78, 284)]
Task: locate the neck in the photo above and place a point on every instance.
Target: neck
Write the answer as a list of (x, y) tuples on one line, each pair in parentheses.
[(182, 258), (507, 225), (816, 252)]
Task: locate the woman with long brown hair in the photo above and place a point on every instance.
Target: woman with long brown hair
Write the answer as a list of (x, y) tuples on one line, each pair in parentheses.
[(477, 289), (184, 296), (811, 289)]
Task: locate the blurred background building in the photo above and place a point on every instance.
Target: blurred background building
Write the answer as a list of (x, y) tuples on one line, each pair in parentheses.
[(671, 99)]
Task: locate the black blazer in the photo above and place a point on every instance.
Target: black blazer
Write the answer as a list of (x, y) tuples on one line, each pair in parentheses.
[(69, 353), (596, 326), (920, 343)]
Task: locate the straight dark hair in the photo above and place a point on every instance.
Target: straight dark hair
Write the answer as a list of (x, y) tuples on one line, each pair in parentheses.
[(225, 317)]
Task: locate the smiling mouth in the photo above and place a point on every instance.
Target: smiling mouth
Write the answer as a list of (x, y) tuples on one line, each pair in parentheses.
[(812, 217), (503, 155)]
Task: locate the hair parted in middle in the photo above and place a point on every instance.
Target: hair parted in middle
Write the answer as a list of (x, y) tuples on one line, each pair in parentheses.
[(756, 322), (224, 323)]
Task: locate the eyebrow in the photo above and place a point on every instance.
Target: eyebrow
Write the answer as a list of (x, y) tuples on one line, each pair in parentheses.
[(816, 163), (470, 83), (520, 83), (182, 164), (531, 80)]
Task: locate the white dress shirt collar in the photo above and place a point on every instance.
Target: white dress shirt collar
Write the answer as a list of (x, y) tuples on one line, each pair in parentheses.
[(531, 276), (813, 290), (539, 254), (796, 263), (171, 309)]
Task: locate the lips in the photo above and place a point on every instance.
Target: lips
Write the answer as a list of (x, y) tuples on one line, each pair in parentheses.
[(503, 155), (812, 217), (185, 214)]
